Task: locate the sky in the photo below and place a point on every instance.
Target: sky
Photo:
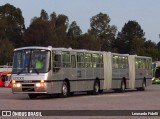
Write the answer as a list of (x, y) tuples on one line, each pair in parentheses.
[(145, 12)]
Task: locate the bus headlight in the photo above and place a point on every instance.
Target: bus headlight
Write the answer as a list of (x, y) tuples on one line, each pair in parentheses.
[(13, 81), (39, 85), (18, 85)]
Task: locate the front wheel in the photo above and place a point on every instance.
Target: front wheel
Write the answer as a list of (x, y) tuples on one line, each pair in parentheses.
[(65, 90)]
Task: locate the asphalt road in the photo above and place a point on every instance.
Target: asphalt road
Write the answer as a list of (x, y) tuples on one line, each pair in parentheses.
[(129, 100)]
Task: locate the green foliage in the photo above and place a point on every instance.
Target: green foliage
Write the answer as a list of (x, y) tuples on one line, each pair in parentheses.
[(11, 24), (87, 41), (55, 30), (73, 34), (6, 51), (150, 52), (37, 33), (130, 38), (104, 33)]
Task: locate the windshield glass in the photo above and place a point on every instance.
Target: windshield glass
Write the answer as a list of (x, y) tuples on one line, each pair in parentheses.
[(31, 61)]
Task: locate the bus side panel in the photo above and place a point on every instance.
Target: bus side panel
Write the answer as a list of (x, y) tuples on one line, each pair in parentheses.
[(116, 83), (148, 81), (149, 77)]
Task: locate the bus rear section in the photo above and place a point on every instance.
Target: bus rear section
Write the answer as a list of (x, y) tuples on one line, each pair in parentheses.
[(123, 71), (140, 72)]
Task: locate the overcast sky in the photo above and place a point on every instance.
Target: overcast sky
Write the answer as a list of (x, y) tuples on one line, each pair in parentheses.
[(145, 12)]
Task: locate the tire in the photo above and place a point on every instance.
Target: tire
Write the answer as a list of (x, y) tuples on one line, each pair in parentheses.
[(123, 86), (143, 86), (32, 96), (71, 93), (100, 91), (96, 88), (64, 90)]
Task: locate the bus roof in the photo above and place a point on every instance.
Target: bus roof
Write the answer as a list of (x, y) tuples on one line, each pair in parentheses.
[(34, 47), (75, 50)]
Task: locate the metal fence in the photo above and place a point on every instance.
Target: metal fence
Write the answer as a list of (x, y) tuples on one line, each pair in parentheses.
[(5, 68)]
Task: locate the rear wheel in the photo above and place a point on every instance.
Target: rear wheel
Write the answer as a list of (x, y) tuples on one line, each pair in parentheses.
[(143, 86), (96, 88), (32, 96), (100, 91), (71, 93), (123, 86), (65, 90)]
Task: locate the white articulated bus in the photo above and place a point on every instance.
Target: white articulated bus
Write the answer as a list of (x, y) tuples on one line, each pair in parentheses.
[(47, 70)]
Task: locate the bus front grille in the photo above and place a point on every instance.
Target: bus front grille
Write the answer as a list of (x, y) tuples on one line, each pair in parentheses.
[(28, 87)]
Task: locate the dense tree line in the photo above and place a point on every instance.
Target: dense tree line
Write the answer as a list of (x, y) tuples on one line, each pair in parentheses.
[(55, 30)]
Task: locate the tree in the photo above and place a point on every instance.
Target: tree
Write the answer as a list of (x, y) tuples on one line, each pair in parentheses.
[(158, 46), (104, 33), (74, 32), (38, 33), (45, 31), (6, 51), (44, 15), (149, 44), (130, 39), (87, 41), (11, 24), (151, 50), (61, 26)]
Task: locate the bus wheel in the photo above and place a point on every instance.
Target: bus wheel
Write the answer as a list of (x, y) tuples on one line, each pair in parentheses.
[(143, 86), (32, 96), (96, 88), (65, 90), (123, 86)]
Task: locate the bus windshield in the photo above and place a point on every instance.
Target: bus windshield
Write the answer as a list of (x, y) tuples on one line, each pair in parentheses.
[(31, 61)]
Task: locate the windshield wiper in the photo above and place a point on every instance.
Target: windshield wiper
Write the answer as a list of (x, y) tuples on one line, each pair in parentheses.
[(36, 70), (23, 70)]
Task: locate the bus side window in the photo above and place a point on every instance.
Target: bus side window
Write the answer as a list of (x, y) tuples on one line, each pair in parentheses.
[(115, 62), (149, 64), (124, 62), (88, 60), (56, 62), (101, 60), (80, 60), (73, 61), (66, 59), (95, 60)]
